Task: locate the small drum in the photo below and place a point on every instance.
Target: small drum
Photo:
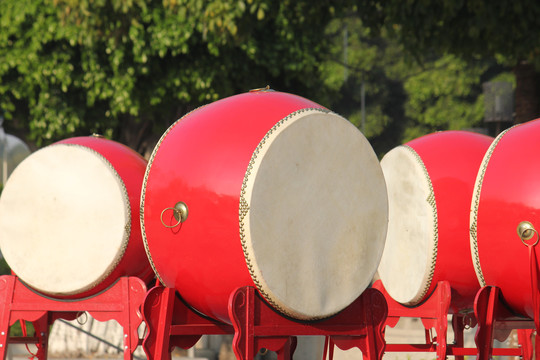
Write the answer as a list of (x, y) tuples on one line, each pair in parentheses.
[(270, 190), (69, 217), (430, 182), (506, 194)]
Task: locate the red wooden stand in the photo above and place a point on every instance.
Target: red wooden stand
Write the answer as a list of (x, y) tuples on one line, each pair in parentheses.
[(120, 302), (170, 323), (434, 314), (256, 325), (495, 321)]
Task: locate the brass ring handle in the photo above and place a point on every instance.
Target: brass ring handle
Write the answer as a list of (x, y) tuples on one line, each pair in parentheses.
[(526, 231), (180, 213)]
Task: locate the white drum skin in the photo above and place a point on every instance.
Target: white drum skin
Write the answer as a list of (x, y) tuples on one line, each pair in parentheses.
[(283, 195), (430, 183), (69, 224)]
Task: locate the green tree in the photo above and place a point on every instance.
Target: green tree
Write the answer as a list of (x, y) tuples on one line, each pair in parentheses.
[(128, 68), (444, 94), (357, 59), (404, 98), (476, 29)]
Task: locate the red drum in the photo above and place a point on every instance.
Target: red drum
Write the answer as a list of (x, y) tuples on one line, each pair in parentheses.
[(69, 217), (430, 183), (507, 193), (281, 194)]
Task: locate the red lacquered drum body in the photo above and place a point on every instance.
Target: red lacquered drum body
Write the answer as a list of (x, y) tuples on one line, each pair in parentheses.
[(507, 193), (69, 217), (430, 183), (282, 195)]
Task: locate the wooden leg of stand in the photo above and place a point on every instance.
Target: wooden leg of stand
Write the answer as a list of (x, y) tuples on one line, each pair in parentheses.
[(7, 285), (444, 295), (286, 352), (4, 332), (525, 341), (458, 327), (485, 303), (241, 311), (41, 327), (442, 330), (536, 345), (166, 307), (330, 349), (134, 293)]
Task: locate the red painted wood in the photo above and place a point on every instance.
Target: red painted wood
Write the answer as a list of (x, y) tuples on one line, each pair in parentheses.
[(120, 302)]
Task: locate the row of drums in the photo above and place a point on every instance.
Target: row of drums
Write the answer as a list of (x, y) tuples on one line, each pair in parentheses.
[(271, 190)]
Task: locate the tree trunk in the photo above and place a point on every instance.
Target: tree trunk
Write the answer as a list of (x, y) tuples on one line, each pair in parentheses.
[(526, 95)]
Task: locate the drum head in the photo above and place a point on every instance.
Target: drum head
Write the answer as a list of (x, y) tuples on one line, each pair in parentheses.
[(64, 219), (408, 262), (313, 214)]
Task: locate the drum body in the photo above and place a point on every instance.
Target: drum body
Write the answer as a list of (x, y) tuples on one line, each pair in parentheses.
[(69, 217), (507, 193), (282, 194), (430, 182)]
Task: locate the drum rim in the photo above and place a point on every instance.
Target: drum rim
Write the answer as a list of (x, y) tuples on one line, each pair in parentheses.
[(432, 260), (475, 204), (127, 228)]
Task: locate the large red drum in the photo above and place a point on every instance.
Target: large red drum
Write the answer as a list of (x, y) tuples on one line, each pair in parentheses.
[(506, 194), (69, 217), (280, 194), (430, 183)]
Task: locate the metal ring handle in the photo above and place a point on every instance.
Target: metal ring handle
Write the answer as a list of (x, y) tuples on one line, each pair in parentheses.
[(526, 231), (180, 213), (163, 222)]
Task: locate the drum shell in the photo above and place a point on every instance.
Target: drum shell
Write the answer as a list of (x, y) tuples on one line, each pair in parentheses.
[(129, 167), (452, 160), (202, 160), (507, 193)]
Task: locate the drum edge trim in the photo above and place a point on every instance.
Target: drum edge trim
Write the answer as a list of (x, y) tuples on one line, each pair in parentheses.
[(473, 230), (433, 203)]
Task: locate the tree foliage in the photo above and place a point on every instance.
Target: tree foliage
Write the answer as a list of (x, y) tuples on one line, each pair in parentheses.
[(128, 68), (467, 28), (476, 29), (404, 98)]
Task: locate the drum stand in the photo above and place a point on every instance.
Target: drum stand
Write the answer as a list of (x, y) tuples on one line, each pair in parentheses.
[(495, 321), (433, 313), (257, 326), (120, 302)]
